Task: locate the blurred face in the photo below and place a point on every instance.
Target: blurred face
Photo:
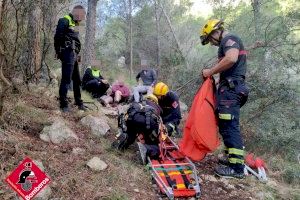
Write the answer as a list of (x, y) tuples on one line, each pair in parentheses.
[(214, 38), (78, 14), (95, 67)]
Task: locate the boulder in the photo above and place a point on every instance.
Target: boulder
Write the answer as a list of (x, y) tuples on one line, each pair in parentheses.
[(58, 132), (98, 125), (97, 164)]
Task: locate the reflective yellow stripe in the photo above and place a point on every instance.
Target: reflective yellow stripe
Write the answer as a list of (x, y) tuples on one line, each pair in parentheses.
[(71, 22), (180, 186), (236, 151), (176, 173), (236, 161), (170, 124), (225, 116), (96, 73)]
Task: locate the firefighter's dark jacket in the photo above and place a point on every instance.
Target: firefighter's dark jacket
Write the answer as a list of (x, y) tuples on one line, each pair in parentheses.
[(65, 35), (171, 108)]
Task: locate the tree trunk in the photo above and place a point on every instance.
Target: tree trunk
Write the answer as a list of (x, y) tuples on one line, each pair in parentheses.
[(157, 2), (256, 14), (89, 46), (130, 33), (174, 35), (34, 44)]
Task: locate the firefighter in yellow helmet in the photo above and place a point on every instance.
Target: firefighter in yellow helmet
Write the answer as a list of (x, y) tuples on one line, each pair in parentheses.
[(231, 95), (169, 103)]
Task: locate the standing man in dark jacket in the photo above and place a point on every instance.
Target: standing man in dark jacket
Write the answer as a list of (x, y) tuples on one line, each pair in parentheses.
[(232, 93), (67, 47), (169, 103)]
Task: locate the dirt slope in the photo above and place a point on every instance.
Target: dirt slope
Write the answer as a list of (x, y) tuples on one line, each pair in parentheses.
[(25, 116)]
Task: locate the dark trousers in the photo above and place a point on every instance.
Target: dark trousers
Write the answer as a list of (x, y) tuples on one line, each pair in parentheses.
[(230, 100), (70, 71), (95, 88), (137, 125)]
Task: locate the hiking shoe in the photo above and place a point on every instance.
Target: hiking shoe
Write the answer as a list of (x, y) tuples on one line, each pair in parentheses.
[(65, 109), (228, 172), (120, 141)]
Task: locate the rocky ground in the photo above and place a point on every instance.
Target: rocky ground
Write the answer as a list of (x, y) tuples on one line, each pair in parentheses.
[(74, 150)]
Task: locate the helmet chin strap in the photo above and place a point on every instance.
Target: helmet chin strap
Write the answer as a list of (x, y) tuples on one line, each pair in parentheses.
[(218, 41), (220, 37)]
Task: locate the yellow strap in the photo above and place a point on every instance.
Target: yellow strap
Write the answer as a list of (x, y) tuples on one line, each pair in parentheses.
[(180, 186), (71, 22), (236, 161), (176, 173), (236, 151), (225, 116)]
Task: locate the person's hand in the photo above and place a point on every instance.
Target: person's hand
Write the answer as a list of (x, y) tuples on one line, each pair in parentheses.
[(206, 73), (104, 81)]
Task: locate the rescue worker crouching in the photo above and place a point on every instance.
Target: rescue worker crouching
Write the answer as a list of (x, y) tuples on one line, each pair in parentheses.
[(93, 82), (140, 121), (232, 93), (67, 47), (169, 103)]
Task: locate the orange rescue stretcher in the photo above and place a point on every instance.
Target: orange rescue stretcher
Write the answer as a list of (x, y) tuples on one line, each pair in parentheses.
[(174, 173)]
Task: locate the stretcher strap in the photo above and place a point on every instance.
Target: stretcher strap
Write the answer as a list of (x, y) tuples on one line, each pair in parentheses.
[(171, 169), (184, 177), (169, 180), (177, 173)]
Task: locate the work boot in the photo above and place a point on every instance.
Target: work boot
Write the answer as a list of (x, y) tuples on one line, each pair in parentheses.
[(120, 142), (224, 161), (82, 107), (228, 172)]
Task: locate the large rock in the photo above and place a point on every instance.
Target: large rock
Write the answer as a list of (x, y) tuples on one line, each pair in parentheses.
[(98, 125), (58, 132), (97, 164)]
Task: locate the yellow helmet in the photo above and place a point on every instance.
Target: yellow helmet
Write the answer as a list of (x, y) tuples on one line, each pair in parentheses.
[(160, 89), (152, 97), (210, 26)]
